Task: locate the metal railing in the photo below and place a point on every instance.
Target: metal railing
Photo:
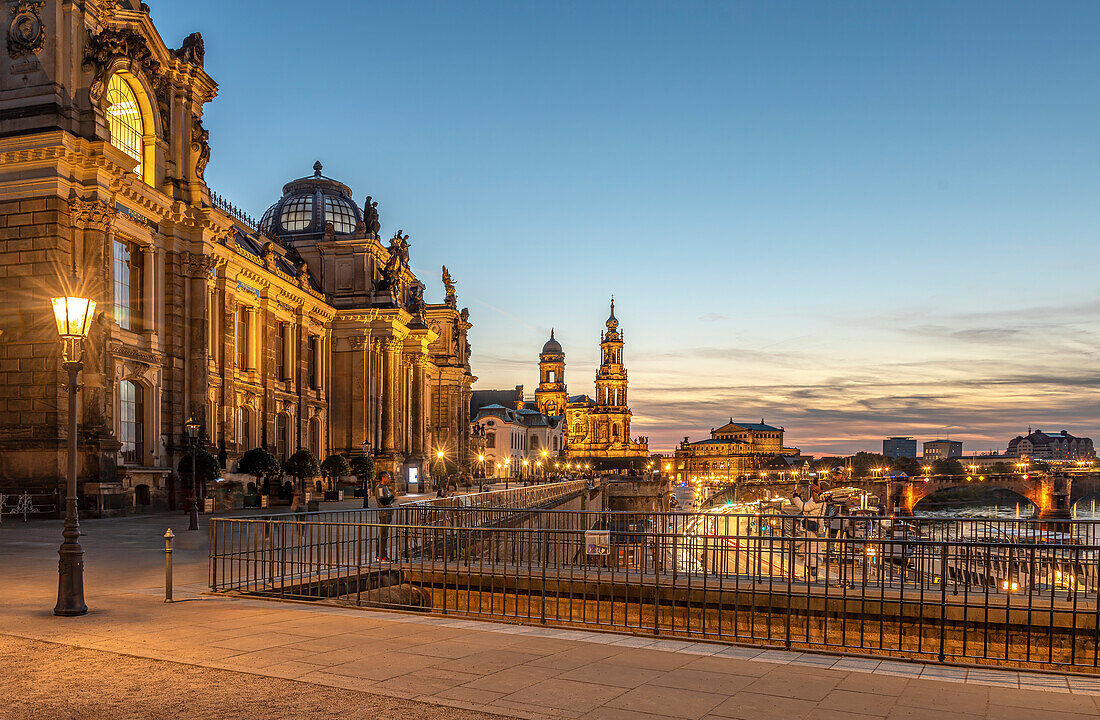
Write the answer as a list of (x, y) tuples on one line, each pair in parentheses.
[(220, 202), (1023, 593), (26, 504)]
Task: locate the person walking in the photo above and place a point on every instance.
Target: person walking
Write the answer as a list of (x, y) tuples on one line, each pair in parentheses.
[(385, 497)]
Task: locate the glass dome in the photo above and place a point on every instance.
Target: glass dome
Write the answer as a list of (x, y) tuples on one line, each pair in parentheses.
[(308, 204)]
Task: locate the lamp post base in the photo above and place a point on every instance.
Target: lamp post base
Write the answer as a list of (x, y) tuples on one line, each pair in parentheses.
[(70, 582)]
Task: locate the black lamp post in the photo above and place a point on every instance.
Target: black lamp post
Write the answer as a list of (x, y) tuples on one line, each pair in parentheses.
[(192, 426), (366, 478), (74, 319)]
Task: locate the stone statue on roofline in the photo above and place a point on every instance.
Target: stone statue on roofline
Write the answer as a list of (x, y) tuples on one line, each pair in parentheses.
[(448, 282), (370, 217)]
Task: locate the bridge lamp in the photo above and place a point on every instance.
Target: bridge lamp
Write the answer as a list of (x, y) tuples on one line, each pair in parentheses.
[(74, 320)]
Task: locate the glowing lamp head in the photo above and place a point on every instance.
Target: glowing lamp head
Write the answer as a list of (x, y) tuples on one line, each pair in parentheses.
[(192, 427), (439, 454), (481, 458), (73, 316)]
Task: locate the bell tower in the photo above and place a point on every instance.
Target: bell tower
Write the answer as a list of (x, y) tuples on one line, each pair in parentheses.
[(551, 394), (611, 377)]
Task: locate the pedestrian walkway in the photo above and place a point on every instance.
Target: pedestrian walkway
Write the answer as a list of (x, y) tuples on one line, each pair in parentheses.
[(511, 670)]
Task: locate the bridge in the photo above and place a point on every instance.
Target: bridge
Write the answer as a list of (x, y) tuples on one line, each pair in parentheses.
[(1053, 494)]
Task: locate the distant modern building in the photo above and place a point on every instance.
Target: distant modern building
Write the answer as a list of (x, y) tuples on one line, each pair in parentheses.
[(942, 450), (899, 447), (1039, 445), (733, 450)]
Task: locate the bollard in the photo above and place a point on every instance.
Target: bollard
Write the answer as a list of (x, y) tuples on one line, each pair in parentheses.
[(168, 565)]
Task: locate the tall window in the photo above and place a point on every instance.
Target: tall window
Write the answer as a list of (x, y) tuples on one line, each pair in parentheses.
[(490, 440), (242, 338), (315, 435), (280, 352), (244, 431), (124, 121), (130, 425), (127, 267), (313, 374), (282, 436)]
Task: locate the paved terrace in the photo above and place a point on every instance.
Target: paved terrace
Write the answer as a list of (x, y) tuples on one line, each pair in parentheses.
[(253, 658)]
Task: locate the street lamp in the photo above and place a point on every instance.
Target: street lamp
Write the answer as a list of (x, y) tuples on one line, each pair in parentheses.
[(481, 465), (526, 477), (544, 462), (192, 426), (74, 321), (507, 472)]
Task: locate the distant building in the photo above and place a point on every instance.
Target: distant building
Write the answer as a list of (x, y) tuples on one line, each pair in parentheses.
[(942, 450), (512, 430), (899, 447), (733, 450), (1039, 445)]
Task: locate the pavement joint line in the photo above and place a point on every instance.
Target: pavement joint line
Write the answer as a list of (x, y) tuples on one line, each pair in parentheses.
[(896, 667)]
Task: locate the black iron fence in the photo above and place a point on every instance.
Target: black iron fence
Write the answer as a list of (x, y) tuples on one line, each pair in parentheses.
[(1005, 591)]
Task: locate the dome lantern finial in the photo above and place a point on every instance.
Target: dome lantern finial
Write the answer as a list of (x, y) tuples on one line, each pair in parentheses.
[(317, 169), (612, 321)]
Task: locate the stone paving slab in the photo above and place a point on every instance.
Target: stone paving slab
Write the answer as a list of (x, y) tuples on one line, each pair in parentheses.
[(488, 667)]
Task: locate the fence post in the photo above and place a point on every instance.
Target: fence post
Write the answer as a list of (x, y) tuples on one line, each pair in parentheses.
[(168, 565), (943, 599)]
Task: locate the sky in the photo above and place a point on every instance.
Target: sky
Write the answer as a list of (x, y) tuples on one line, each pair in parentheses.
[(850, 219)]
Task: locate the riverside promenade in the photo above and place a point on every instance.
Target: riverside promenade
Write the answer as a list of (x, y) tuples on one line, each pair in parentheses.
[(134, 656)]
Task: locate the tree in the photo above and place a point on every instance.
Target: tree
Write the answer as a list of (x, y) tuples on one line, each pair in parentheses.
[(206, 467), (948, 466), (907, 465), (335, 467), (303, 466), (362, 467), (260, 464)]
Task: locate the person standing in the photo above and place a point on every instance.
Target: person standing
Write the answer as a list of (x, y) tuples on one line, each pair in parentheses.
[(385, 497)]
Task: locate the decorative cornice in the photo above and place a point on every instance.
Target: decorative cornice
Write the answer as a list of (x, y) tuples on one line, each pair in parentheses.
[(144, 356)]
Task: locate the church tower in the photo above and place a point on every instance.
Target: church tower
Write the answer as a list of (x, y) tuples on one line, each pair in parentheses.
[(551, 395), (611, 377)]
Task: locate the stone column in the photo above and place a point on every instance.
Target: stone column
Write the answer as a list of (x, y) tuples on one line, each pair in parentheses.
[(149, 293), (388, 387), (418, 361)]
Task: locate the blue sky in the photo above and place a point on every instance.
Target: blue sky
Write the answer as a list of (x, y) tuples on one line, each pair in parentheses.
[(853, 219)]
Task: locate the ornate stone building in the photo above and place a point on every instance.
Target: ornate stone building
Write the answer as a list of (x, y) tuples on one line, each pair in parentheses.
[(733, 450), (596, 429), (301, 330)]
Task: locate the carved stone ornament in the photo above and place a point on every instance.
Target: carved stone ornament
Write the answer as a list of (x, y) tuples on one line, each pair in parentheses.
[(26, 36), (360, 342), (193, 50), (93, 213), (198, 264), (107, 46), (199, 145)]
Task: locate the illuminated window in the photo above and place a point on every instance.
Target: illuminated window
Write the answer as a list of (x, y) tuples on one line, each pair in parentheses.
[(340, 213), (124, 121), (129, 425), (127, 295), (244, 429)]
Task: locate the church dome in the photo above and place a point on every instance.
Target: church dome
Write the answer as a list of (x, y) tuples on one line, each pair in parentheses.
[(310, 202), (552, 346)]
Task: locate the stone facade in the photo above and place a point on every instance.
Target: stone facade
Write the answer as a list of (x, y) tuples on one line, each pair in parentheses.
[(309, 333), (733, 450)]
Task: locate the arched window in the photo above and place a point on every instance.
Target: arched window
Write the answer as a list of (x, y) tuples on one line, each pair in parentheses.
[(130, 410), (315, 435), (124, 120), (244, 429)]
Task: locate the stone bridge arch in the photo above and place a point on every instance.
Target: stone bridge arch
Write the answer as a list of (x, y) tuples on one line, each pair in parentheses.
[(1049, 493)]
